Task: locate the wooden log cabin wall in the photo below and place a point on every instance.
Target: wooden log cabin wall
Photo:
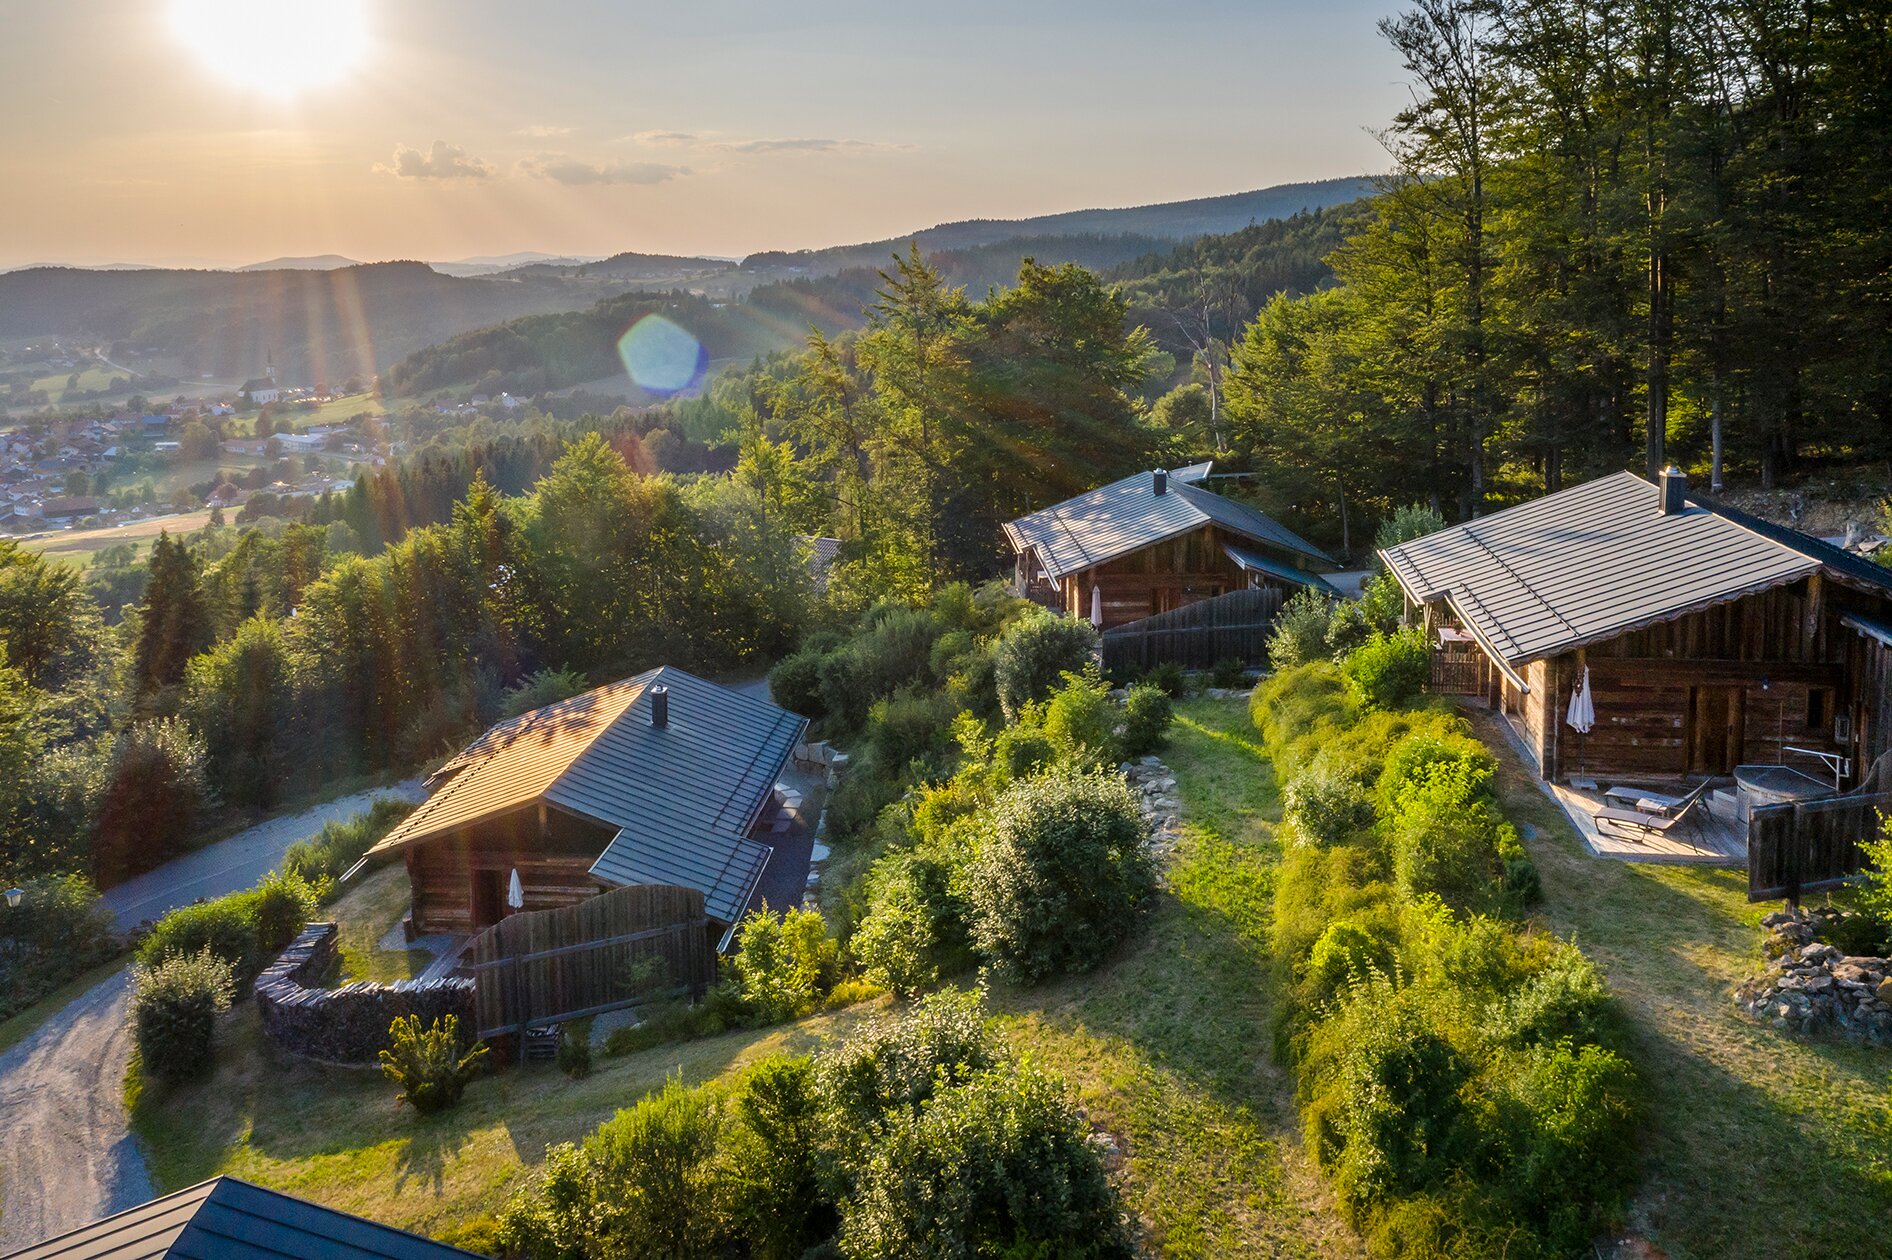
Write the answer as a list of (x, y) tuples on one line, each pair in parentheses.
[(460, 879), (1161, 577), (1733, 684)]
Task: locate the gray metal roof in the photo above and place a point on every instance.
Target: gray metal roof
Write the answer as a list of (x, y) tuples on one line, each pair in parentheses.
[(682, 796), (1128, 515), (1600, 559), (227, 1219), (1258, 563)]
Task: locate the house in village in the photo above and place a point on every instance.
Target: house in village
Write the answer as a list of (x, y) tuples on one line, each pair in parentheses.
[(663, 778), (1151, 543), (228, 1219), (1712, 639)]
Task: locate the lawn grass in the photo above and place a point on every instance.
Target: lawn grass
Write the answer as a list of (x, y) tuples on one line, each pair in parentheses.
[(336, 1136), (1168, 1045), (1760, 1143), (363, 916)]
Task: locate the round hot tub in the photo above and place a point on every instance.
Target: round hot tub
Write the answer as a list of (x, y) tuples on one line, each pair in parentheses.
[(1776, 785)]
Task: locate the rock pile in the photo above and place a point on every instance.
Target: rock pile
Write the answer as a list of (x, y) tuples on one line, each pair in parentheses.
[(1811, 987), (1155, 787)]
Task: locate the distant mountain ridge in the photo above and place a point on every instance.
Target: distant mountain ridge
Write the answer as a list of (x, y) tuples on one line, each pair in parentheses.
[(314, 262), (1169, 220)]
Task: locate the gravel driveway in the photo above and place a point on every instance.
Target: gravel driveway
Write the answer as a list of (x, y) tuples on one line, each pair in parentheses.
[(66, 1153)]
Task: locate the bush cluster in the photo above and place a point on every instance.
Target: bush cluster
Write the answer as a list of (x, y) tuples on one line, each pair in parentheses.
[(244, 930), (917, 1137), (174, 1007), (1459, 1074), (326, 857), (60, 930)]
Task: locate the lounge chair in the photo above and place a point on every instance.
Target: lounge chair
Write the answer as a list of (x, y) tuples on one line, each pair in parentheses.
[(1641, 824), (1643, 799)]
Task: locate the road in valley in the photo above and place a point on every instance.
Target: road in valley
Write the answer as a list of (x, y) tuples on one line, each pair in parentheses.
[(66, 1151)]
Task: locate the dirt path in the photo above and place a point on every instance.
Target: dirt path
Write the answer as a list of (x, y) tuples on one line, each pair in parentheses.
[(66, 1153), (68, 1156)]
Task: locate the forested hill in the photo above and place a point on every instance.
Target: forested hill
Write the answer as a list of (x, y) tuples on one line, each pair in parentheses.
[(314, 325), (1172, 220)]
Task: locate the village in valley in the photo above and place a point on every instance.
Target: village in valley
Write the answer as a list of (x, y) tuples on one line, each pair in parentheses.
[(1348, 719)]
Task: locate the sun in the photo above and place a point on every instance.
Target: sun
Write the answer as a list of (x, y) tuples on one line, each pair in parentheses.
[(274, 47)]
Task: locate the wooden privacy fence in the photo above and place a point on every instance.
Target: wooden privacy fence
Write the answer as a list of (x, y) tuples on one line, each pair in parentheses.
[(1811, 845), (1198, 635), (614, 950), (1458, 669)]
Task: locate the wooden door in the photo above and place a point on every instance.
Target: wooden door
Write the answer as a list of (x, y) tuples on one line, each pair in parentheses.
[(1716, 729), (489, 898)]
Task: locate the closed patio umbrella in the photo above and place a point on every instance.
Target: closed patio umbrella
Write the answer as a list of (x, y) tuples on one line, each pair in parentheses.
[(516, 892), (1582, 713), (1097, 607)]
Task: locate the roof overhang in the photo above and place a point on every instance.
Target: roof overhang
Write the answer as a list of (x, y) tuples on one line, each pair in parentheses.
[(1877, 631), (1255, 562)]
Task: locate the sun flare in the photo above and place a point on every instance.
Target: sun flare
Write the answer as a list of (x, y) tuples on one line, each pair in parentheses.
[(275, 47)]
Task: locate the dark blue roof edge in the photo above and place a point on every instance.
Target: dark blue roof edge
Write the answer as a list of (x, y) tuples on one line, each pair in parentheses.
[(1841, 562)]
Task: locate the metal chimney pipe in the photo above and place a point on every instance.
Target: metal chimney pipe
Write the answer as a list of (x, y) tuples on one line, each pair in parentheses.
[(1672, 486), (660, 706), (1159, 481)]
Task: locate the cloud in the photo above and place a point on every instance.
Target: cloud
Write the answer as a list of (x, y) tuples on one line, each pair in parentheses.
[(442, 161), (667, 138), (563, 169), (807, 145), (540, 131)]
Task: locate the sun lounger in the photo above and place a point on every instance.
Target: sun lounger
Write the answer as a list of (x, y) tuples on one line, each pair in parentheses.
[(1641, 824)]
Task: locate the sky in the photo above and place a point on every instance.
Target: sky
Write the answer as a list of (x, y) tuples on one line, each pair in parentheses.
[(157, 131)]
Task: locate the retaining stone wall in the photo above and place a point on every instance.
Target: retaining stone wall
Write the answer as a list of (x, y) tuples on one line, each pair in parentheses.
[(349, 1024)]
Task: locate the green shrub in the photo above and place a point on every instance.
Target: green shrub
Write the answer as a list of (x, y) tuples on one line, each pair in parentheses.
[(1423, 753), (896, 1063), (913, 932), (893, 650), (60, 929), (1147, 713), (174, 1007), (1874, 882), (1298, 712), (1387, 1118), (647, 1182), (1389, 671), (1080, 720), (1022, 751), (1857, 934), (1446, 839), (783, 966), (1060, 876), (1348, 628), (1034, 654), (574, 1048), (339, 845), (1168, 677), (1229, 673), (280, 907), (1326, 807), (1299, 636), (777, 1199), (1566, 1000), (428, 1063), (226, 927), (999, 1165), (1415, 520), (1566, 1121), (795, 683), (536, 690), (913, 724), (1343, 954)]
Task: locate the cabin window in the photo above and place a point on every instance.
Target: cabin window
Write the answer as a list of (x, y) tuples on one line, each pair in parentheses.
[(1819, 707)]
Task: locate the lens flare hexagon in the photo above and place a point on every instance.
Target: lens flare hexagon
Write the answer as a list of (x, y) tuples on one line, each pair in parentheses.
[(662, 356)]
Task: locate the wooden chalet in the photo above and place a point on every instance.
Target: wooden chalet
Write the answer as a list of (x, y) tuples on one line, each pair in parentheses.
[(1152, 543), (664, 778), (1713, 639)]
